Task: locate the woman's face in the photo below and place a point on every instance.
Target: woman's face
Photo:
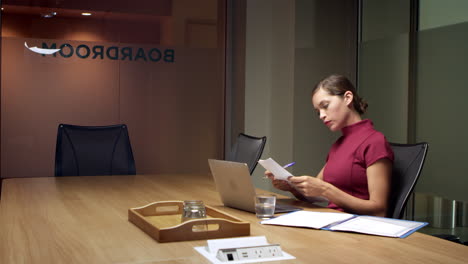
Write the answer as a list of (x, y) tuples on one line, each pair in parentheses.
[(333, 110)]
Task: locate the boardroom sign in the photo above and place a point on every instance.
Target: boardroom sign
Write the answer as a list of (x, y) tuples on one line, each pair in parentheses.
[(101, 52)]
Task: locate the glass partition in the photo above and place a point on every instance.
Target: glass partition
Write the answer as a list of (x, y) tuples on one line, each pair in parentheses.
[(384, 76), (156, 65), (442, 198)]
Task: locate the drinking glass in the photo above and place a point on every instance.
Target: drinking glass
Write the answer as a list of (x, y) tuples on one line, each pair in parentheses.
[(193, 209), (265, 205)]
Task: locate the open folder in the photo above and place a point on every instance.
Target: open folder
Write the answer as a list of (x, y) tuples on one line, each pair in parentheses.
[(371, 225)]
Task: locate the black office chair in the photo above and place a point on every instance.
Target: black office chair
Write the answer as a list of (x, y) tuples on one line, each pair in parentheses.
[(248, 149), (93, 150), (407, 166)]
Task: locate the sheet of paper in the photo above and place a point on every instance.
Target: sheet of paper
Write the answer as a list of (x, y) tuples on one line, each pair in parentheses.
[(378, 226), (277, 170), (211, 249), (308, 219)]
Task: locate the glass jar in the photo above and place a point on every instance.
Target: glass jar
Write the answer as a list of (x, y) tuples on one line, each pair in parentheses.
[(193, 209)]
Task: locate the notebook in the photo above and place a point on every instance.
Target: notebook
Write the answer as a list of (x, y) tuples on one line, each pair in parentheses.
[(234, 185)]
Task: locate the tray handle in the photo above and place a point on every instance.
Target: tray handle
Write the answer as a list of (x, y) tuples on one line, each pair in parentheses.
[(161, 208), (203, 228)]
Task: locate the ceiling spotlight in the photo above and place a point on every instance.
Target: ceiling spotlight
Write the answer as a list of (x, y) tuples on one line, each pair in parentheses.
[(49, 15), (85, 14)]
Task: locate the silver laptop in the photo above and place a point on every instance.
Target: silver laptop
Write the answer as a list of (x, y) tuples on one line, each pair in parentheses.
[(235, 187)]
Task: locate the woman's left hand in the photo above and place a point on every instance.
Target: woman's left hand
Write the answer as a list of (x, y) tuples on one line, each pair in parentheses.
[(308, 186)]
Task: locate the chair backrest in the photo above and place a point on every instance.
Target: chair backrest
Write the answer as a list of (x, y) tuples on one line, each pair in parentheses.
[(248, 149), (407, 166), (93, 150)]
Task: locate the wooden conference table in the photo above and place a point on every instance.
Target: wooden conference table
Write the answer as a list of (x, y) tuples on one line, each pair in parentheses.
[(84, 220)]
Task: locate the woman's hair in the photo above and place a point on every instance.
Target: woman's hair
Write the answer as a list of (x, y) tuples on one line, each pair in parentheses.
[(337, 85)]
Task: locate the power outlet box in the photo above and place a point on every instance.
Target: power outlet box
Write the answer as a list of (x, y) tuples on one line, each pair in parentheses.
[(249, 253)]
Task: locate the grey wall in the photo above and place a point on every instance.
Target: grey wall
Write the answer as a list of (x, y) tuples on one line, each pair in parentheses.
[(325, 44), (290, 46), (436, 13), (383, 65), (269, 78)]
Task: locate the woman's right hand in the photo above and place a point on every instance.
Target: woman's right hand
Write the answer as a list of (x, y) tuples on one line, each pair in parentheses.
[(279, 184), (282, 185)]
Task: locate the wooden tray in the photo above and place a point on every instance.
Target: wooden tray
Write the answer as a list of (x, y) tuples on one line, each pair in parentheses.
[(162, 221)]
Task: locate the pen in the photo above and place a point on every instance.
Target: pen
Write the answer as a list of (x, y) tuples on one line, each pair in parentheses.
[(289, 165)]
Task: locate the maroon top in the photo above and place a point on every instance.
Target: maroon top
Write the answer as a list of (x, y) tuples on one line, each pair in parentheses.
[(359, 147)]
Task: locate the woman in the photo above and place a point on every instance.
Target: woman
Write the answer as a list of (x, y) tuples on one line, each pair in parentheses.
[(357, 173)]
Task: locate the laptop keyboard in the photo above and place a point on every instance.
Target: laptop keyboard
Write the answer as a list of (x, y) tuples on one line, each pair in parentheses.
[(285, 208)]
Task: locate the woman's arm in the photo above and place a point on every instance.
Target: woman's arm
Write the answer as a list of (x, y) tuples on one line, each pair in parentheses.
[(378, 180)]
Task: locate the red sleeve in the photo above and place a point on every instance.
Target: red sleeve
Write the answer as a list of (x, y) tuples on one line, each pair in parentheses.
[(377, 148)]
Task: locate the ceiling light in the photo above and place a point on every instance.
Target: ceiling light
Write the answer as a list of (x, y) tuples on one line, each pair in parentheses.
[(49, 15), (85, 14)]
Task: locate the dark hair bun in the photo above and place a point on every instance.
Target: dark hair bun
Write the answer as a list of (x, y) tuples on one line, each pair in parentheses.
[(362, 105)]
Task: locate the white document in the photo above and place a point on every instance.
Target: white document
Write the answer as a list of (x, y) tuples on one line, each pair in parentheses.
[(309, 219), (378, 226), (211, 249), (371, 225), (277, 170)]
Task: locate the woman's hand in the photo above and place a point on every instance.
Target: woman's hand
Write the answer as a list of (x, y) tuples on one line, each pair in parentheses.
[(309, 186), (279, 184), (282, 185)]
